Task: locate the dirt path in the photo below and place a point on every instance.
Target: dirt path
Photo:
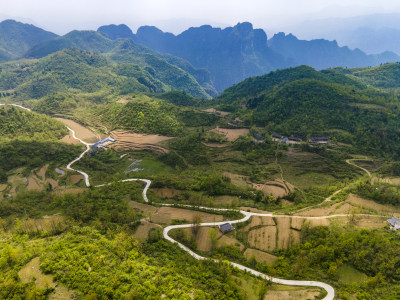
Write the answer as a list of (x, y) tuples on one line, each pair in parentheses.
[(351, 162)]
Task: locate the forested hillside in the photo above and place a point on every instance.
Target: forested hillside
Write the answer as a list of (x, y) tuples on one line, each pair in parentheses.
[(304, 102), (386, 76), (17, 38), (78, 71)]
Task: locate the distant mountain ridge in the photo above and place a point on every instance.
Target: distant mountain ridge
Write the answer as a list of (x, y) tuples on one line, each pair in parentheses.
[(230, 54), (324, 54), (236, 53), (17, 38)]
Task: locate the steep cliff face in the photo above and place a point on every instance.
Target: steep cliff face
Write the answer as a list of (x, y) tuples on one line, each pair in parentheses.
[(231, 54)]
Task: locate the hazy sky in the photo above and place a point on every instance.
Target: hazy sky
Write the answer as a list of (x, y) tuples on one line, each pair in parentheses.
[(61, 16)]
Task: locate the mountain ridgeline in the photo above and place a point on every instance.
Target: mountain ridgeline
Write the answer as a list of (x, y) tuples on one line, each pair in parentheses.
[(236, 53)]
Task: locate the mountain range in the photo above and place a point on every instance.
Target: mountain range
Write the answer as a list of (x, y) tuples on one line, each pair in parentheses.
[(235, 53), (202, 61)]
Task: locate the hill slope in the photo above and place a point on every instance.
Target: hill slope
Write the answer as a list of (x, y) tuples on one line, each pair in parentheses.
[(304, 102), (77, 71), (16, 123), (176, 71), (385, 76), (16, 38)]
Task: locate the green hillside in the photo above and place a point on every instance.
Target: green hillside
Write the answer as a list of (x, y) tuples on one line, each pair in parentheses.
[(78, 71), (174, 72), (17, 123), (16, 38), (386, 76), (304, 102)]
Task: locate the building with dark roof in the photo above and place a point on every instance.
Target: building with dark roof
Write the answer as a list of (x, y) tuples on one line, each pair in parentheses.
[(277, 136), (227, 227)]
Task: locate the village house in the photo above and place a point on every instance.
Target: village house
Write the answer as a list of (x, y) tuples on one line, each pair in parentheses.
[(225, 228)]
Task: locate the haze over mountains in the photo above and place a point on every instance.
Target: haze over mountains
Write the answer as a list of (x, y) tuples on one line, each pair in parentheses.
[(202, 61)]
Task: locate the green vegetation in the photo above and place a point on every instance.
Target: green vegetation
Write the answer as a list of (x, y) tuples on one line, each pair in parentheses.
[(385, 76), (19, 124), (303, 102)]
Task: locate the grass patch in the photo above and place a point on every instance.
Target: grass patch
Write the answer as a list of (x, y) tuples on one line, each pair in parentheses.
[(348, 275)]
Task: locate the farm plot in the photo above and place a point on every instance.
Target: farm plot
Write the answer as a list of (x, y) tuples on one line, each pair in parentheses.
[(231, 135), (134, 141), (260, 256), (81, 132), (165, 215)]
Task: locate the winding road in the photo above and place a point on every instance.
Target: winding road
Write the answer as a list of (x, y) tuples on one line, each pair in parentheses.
[(247, 215)]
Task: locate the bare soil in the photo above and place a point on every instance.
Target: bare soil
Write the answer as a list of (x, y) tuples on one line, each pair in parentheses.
[(81, 132), (231, 134), (142, 232), (263, 238), (217, 112), (144, 208), (166, 193), (137, 138), (380, 208), (228, 240), (278, 292), (75, 178), (260, 256), (284, 240), (165, 215)]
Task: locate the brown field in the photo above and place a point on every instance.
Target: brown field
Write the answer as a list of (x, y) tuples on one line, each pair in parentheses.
[(215, 145), (69, 139), (137, 138), (144, 208), (37, 179), (217, 112), (224, 200), (337, 208), (142, 232), (279, 292), (276, 188), (268, 221), (255, 221), (166, 193), (236, 179), (227, 240), (202, 239), (3, 187), (32, 269), (284, 240), (75, 178), (318, 222), (81, 132), (297, 223), (395, 180), (263, 238), (165, 215), (380, 208), (231, 134), (260, 256)]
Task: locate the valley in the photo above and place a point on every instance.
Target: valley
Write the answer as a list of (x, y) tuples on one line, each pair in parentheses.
[(136, 167)]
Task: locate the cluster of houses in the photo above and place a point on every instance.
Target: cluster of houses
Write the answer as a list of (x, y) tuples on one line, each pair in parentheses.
[(101, 144), (295, 140)]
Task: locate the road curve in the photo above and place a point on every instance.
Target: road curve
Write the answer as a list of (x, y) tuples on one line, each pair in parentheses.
[(247, 215), (351, 162)]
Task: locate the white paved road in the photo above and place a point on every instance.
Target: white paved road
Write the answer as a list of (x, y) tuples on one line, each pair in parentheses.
[(247, 215)]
